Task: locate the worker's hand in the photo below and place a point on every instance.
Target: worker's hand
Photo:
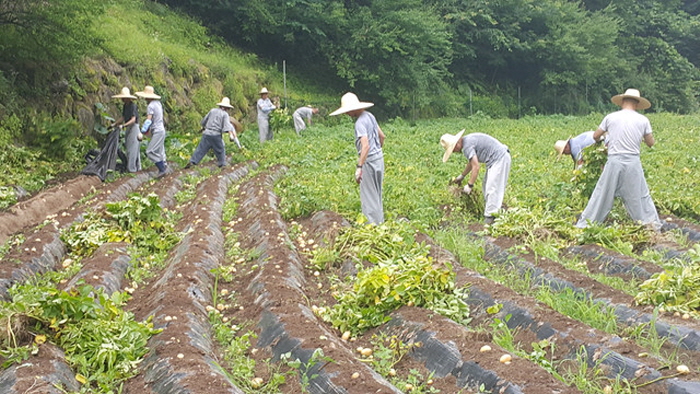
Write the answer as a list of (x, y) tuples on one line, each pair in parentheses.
[(467, 189), (457, 180), (358, 174)]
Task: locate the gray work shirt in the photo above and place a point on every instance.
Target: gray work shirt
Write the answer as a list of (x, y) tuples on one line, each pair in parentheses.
[(367, 126), (304, 112), (216, 122), (626, 129), (486, 148), (155, 109), (579, 143)]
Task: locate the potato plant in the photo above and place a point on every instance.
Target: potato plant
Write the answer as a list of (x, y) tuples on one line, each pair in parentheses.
[(393, 270), (102, 342)]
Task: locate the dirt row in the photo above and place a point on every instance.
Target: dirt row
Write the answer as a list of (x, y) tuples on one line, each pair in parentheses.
[(276, 293)]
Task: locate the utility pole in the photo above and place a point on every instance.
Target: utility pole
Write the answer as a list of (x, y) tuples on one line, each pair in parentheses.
[(284, 76)]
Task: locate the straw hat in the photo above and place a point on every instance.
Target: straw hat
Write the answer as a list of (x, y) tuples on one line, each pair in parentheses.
[(124, 94), (264, 91), (633, 94), (448, 142), (560, 145), (148, 93), (225, 102), (350, 102)]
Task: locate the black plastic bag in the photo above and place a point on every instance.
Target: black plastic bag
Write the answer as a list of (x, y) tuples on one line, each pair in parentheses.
[(99, 163)]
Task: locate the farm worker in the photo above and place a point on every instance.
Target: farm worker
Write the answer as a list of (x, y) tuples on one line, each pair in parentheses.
[(214, 125), (575, 146), (130, 121), (369, 140), (265, 106), (302, 116), (154, 124), (481, 148), (623, 175)]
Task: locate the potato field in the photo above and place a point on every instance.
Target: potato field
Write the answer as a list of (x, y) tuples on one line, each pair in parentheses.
[(263, 277)]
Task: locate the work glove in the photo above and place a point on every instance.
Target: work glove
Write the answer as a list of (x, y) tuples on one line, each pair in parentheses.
[(457, 180), (467, 189), (358, 174)]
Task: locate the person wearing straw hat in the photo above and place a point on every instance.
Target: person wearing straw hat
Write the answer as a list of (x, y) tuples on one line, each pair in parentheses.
[(623, 175), (481, 148), (302, 116), (264, 106), (574, 146), (129, 120), (369, 142), (214, 125), (156, 127)]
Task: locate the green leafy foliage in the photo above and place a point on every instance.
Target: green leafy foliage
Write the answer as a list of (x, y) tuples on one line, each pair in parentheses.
[(399, 272), (675, 290), (586, 177), (101, 341), (622, 237), (280, 120), (240, 367), (138, 220)]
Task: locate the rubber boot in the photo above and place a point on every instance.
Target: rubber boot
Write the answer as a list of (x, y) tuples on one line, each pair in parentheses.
[(161, 169)]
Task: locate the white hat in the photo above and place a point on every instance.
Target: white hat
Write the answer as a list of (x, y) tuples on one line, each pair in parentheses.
[(559, 146), (633, 94), (448, 141), (264, 91), (124, 94), (225, 102), (350, 102), (148, 93)]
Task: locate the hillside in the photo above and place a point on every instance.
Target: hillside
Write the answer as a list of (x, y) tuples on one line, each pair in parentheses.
[(48, 129)]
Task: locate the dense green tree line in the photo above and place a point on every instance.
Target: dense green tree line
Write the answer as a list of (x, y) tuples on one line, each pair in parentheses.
[(416, 57), (547, 55)]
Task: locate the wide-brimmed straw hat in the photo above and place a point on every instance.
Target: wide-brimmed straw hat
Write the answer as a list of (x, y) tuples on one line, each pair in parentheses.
[(560, 145), (225, 102), (448, 142), (633, 94), (264, 91), (148, 93), (350, 102), (126, 93)]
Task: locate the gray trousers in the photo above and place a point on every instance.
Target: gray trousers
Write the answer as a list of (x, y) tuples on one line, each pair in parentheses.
[(494, 186), (264, 129), (207, 142), (133, 148), (622, 177), (299, 123), (156, 148), (371, 189)]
